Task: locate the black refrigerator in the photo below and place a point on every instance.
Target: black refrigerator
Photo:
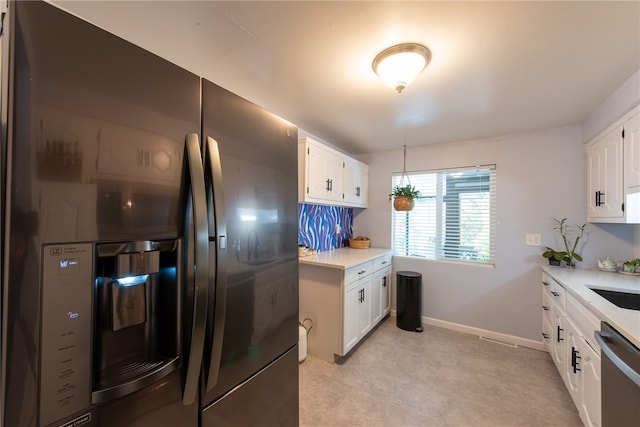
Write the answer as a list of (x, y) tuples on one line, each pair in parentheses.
[(149, 239)]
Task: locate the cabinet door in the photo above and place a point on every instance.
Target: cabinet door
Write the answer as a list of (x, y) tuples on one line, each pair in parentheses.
[(595, 166), (376, 297), (351, 316), (632, 154), (558, 346), (571, 373), (590, 410), (605, 187), (364, 309), (385, 291), (356, 179), (324, 174)]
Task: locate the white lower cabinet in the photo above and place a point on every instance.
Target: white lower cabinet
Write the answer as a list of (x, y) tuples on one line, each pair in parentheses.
[(547, 320), (567, 329), (555, 299), (343, 304), (589, 393), (381, 288), (357, 312)]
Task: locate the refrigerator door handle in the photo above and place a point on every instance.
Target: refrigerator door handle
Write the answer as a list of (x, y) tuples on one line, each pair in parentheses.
[(201, 268), (213, 169)]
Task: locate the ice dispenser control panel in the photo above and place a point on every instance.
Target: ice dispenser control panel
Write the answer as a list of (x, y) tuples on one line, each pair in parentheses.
[(67, 276)]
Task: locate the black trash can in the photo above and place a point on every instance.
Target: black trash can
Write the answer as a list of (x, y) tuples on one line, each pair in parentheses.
[(409, 300)]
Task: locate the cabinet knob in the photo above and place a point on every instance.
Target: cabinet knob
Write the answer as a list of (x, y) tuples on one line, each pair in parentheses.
[(545, 308), (555, 294), (545, 336)]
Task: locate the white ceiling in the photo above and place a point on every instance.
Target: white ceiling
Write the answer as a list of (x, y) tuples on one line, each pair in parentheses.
[(497, 67)]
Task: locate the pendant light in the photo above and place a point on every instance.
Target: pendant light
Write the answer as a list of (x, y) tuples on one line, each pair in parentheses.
[(399, 65)]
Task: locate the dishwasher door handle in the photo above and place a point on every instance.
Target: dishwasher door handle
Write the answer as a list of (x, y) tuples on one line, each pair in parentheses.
[(601, 338)]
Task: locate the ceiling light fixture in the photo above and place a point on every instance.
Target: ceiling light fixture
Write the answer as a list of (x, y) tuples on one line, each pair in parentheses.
[(398, 65)]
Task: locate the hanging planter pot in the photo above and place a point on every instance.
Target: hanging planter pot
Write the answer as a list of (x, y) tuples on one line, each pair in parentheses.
[(403, 203)]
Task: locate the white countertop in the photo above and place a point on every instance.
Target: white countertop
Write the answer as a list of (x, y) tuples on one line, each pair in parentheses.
[(577, 282), (343, 258)]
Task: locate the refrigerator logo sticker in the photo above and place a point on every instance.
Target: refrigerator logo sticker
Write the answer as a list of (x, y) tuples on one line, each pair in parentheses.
[(55, 251), (68, 263), (83, 419), (72, 315), (68, 266)]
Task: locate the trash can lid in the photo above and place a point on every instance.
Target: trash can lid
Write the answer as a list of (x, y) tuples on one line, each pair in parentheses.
[(409, 274)]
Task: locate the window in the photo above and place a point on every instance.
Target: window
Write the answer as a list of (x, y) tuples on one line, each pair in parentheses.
[(453, 219)]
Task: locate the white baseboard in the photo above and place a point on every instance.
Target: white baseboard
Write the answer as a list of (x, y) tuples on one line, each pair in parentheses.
[(497, 337)]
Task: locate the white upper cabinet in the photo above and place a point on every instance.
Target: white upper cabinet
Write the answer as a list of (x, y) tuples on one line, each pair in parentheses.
[(329, 177), (605, 190), (613, 170), (356, 180), (324, 174), (631, 130)]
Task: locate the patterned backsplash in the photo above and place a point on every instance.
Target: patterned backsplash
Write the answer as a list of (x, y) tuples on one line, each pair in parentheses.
[(324, 227)]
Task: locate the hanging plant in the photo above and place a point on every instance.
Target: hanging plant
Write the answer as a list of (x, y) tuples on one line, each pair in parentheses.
[(404, 195)]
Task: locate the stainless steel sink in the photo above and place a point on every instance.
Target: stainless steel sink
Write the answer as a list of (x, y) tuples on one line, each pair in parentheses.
[(626, 300)]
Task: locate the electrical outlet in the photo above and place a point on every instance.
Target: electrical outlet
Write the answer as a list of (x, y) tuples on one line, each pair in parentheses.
[(532, 239), (338, 229)]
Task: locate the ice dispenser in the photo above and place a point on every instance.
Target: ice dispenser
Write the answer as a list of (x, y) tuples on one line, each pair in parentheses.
[(128, 296), (137, 316)]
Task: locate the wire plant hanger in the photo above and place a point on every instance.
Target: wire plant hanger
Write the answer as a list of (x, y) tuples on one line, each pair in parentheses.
[(404, 195), (404, 168)]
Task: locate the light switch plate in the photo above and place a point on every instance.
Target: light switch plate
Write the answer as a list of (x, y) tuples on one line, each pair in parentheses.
[(532, 239)]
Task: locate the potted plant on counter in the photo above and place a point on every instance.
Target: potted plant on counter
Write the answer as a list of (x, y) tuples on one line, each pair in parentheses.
[(555, 257), (403, 197), (570, 255), (632, 266)]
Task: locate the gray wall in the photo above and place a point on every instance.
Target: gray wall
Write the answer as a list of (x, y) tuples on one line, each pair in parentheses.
[(540, 175)]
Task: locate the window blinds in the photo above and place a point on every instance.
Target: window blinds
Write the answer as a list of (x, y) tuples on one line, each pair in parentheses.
[(454, 217)]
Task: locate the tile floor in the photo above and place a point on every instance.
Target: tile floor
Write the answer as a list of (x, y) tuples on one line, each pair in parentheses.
[(435, 378)]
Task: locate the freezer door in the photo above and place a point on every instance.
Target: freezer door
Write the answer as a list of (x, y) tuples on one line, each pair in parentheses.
[(258, 158)]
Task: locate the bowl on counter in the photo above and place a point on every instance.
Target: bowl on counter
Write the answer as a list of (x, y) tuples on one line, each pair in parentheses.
[(607, 264)]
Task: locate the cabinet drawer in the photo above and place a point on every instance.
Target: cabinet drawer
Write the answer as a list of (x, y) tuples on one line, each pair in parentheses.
[(357, 271), (557, 292), (381, 262), (585, 321)]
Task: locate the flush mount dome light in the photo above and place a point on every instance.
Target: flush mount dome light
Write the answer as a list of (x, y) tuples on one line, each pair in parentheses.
[(398, 65)]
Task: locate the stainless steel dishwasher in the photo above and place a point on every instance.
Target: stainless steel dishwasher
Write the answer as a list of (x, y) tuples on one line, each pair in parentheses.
[(620, 368)]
